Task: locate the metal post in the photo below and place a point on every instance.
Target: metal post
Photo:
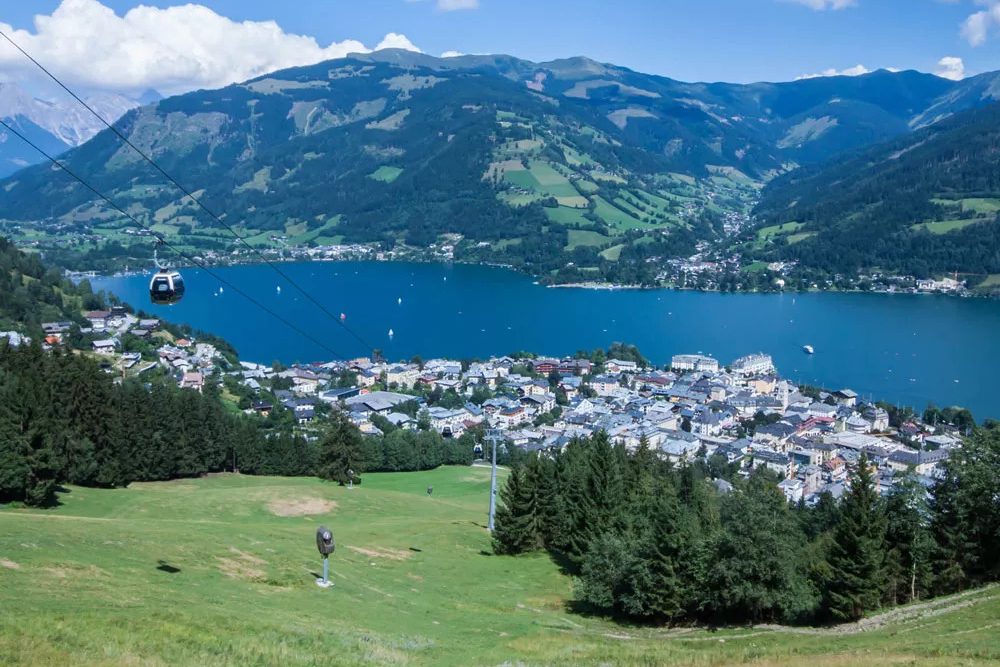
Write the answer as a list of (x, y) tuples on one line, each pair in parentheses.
[(326, 571), (493, 435)]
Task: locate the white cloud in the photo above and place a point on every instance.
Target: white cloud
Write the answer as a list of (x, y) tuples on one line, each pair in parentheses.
[(174, 49), (454, 5), (822, 5), (951, 67), (976, 28), (396, 41), (452, 54), (857, 70)]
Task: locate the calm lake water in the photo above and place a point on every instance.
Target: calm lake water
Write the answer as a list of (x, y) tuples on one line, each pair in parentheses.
[(907, 349)]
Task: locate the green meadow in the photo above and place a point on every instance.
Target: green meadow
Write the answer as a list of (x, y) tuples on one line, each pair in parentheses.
[(221, 570)]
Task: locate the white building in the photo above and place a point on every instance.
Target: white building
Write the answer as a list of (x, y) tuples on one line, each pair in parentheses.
[(694, 362), (754, 364)]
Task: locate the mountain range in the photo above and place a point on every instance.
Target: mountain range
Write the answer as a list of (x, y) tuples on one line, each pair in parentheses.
[(568, 169), (55, 125)]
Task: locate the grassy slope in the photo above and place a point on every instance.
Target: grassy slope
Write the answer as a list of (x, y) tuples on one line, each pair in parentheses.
[(81, 585)]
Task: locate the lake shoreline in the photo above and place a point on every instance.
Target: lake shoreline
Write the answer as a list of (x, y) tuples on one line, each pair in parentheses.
[(907, 350), (586, 285)]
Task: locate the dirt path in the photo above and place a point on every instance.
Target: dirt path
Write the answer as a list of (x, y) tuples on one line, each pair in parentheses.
[(920, 610)]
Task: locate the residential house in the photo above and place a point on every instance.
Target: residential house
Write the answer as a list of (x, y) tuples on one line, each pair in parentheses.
[(447, 422), (605, 385), (777, 462), (106, 347), (98, 319), (794, 489), (617, 366), (403, 376), (192, 380), (401, 420)]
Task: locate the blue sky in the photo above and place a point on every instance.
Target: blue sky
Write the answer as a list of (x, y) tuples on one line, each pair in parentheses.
[(703, 40)]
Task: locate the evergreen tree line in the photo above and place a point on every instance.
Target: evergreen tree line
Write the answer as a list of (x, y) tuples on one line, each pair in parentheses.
[(402, 450), (64, 420), (344, 452), (653, 542)]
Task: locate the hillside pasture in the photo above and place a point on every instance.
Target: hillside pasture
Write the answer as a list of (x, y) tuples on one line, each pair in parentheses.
[(945, 226), (221, 571)]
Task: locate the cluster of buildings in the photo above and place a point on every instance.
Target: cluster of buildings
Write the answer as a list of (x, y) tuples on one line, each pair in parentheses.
[(694, 408), (190, 363)]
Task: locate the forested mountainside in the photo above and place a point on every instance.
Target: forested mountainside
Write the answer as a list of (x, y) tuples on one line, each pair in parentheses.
[(571, 168), (921, 204)]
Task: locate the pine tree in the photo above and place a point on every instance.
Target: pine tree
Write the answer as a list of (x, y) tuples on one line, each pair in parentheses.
[(910, 545), (571, 540), (13, 450), (660, 583), (515, 528), (966, 516), (951, 541), (340, 451), (857, 551)]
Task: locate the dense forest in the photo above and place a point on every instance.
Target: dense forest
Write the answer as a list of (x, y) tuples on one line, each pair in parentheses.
[(650, 541), (868, 211)]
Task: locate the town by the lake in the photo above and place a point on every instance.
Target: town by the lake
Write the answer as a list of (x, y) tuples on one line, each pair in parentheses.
[(739, 412)]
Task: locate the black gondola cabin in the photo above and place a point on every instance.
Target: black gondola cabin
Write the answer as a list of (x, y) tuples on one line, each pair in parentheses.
[(166, 287)]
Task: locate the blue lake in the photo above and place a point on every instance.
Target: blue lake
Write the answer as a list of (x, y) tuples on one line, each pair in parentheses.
[(907, 349)]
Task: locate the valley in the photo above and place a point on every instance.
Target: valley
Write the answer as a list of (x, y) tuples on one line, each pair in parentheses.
[(572, 171)]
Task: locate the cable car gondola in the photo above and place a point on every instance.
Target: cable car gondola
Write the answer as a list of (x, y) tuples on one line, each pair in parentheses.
[(167, 286)]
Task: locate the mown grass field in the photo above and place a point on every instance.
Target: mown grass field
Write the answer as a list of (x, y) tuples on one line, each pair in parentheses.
[(220, 570)]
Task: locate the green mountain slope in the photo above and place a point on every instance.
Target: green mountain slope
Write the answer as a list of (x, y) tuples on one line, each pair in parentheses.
[(219, 570), (921, 204), (517, 162)]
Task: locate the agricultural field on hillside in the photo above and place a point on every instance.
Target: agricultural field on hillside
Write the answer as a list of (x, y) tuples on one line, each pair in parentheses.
[(386, 174), (945, 226), (221, 570), (585, 237), (567, 216), (765, 234), (977, 205)]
